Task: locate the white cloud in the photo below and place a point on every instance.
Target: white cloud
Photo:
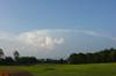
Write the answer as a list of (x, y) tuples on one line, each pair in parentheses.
[(41, 39), (36, 42), (45, 39)]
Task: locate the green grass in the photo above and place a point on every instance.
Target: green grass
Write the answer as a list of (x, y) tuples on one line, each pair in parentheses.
[(68, 70)]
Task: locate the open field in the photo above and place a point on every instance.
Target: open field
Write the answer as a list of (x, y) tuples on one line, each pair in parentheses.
[(68, 70)]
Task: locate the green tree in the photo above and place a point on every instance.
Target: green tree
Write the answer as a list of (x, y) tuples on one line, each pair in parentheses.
[(16, 55), (77, 58), (113, 55), (73, 58), (2, 54)]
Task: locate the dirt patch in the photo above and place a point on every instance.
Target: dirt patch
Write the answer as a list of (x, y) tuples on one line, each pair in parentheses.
[(14, 73)]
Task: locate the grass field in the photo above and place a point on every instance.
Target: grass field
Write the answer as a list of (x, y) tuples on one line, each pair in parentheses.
[(68, 70)]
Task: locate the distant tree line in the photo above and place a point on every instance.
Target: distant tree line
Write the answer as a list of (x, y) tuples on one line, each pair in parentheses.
[(17, 60), (25, 60), (103, 56)]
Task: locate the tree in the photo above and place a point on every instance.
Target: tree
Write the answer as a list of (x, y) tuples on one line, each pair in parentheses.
[(77, 58), (27, 60), (9, 61), (16, 55), (113, 55), (2, 54), (89, 58), (73, 58)]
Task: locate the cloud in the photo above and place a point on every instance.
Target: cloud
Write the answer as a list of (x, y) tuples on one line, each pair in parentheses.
[(54, 41), (47, 38), (40, 39)]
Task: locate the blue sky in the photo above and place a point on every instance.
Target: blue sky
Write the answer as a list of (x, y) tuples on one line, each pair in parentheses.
[(83, 14), (76, 24)]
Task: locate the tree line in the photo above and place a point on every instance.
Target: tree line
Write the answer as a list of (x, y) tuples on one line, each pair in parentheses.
[(25, 60), (103, 56), (16, 60)]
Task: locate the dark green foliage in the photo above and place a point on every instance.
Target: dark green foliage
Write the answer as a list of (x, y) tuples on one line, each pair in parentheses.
[(16, 55), (9, 61), (60, 61), (107, 55), (27, 60), (1, 54)]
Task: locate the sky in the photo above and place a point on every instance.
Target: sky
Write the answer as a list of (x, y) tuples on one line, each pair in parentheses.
[(56, 28)]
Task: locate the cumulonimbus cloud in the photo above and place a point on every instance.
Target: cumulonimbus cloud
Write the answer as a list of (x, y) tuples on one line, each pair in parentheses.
[(46, 39), (40, 39)]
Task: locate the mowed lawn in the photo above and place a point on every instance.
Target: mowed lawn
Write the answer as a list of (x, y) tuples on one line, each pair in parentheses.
[(68, 70)]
